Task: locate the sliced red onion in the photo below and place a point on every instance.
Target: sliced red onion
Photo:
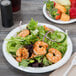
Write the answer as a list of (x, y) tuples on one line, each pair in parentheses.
[(48, 37)]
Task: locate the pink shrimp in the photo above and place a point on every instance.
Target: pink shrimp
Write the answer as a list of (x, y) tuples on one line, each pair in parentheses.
[(54, 55), (24, 33), (22, 53), (40, 48)]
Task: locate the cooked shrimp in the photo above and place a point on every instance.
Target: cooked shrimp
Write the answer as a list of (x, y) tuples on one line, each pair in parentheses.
[(24, 33), (39, 51), (40, 48), (22, 53), (54, 55), (41, 44)]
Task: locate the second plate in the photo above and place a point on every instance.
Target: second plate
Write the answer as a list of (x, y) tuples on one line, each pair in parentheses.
[(53, 20)]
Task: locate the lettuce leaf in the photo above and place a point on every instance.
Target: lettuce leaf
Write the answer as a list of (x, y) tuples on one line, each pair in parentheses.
[(39, 58), (41, 32), (32, 24), (46, 62), (25, 62), (12, 46), (14, 43)]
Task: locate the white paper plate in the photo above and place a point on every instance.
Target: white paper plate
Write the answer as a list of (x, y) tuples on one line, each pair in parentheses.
[(52, 67), (53, 20)]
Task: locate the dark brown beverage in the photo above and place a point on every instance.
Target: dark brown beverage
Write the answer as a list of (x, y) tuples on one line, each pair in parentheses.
[(16, 5)]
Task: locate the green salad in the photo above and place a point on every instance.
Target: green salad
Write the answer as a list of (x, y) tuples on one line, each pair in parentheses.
[(37, 46), (58, 9)]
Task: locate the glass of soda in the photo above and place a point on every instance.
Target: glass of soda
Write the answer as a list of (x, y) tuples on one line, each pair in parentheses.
[(16, 5)]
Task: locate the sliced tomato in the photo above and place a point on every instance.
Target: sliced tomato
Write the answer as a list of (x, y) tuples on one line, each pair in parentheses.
[(58, 15)]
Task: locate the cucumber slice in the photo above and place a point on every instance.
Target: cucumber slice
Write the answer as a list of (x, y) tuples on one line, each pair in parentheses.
[(61, 37)]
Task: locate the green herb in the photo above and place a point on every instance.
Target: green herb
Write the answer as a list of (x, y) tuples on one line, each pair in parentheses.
[(31, 61), (32, 24), (54, 13), (25, 62), (39, 58), (49, 5), (45, 61), (41, 32), (34, 32), (67, 12)]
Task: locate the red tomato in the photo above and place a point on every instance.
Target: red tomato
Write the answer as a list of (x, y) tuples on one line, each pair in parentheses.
[(72, 12), (73, 4), (54, 3), (72, 1), (59, 15)]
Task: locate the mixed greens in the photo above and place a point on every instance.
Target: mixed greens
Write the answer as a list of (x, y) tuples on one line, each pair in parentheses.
[(37, 33)]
